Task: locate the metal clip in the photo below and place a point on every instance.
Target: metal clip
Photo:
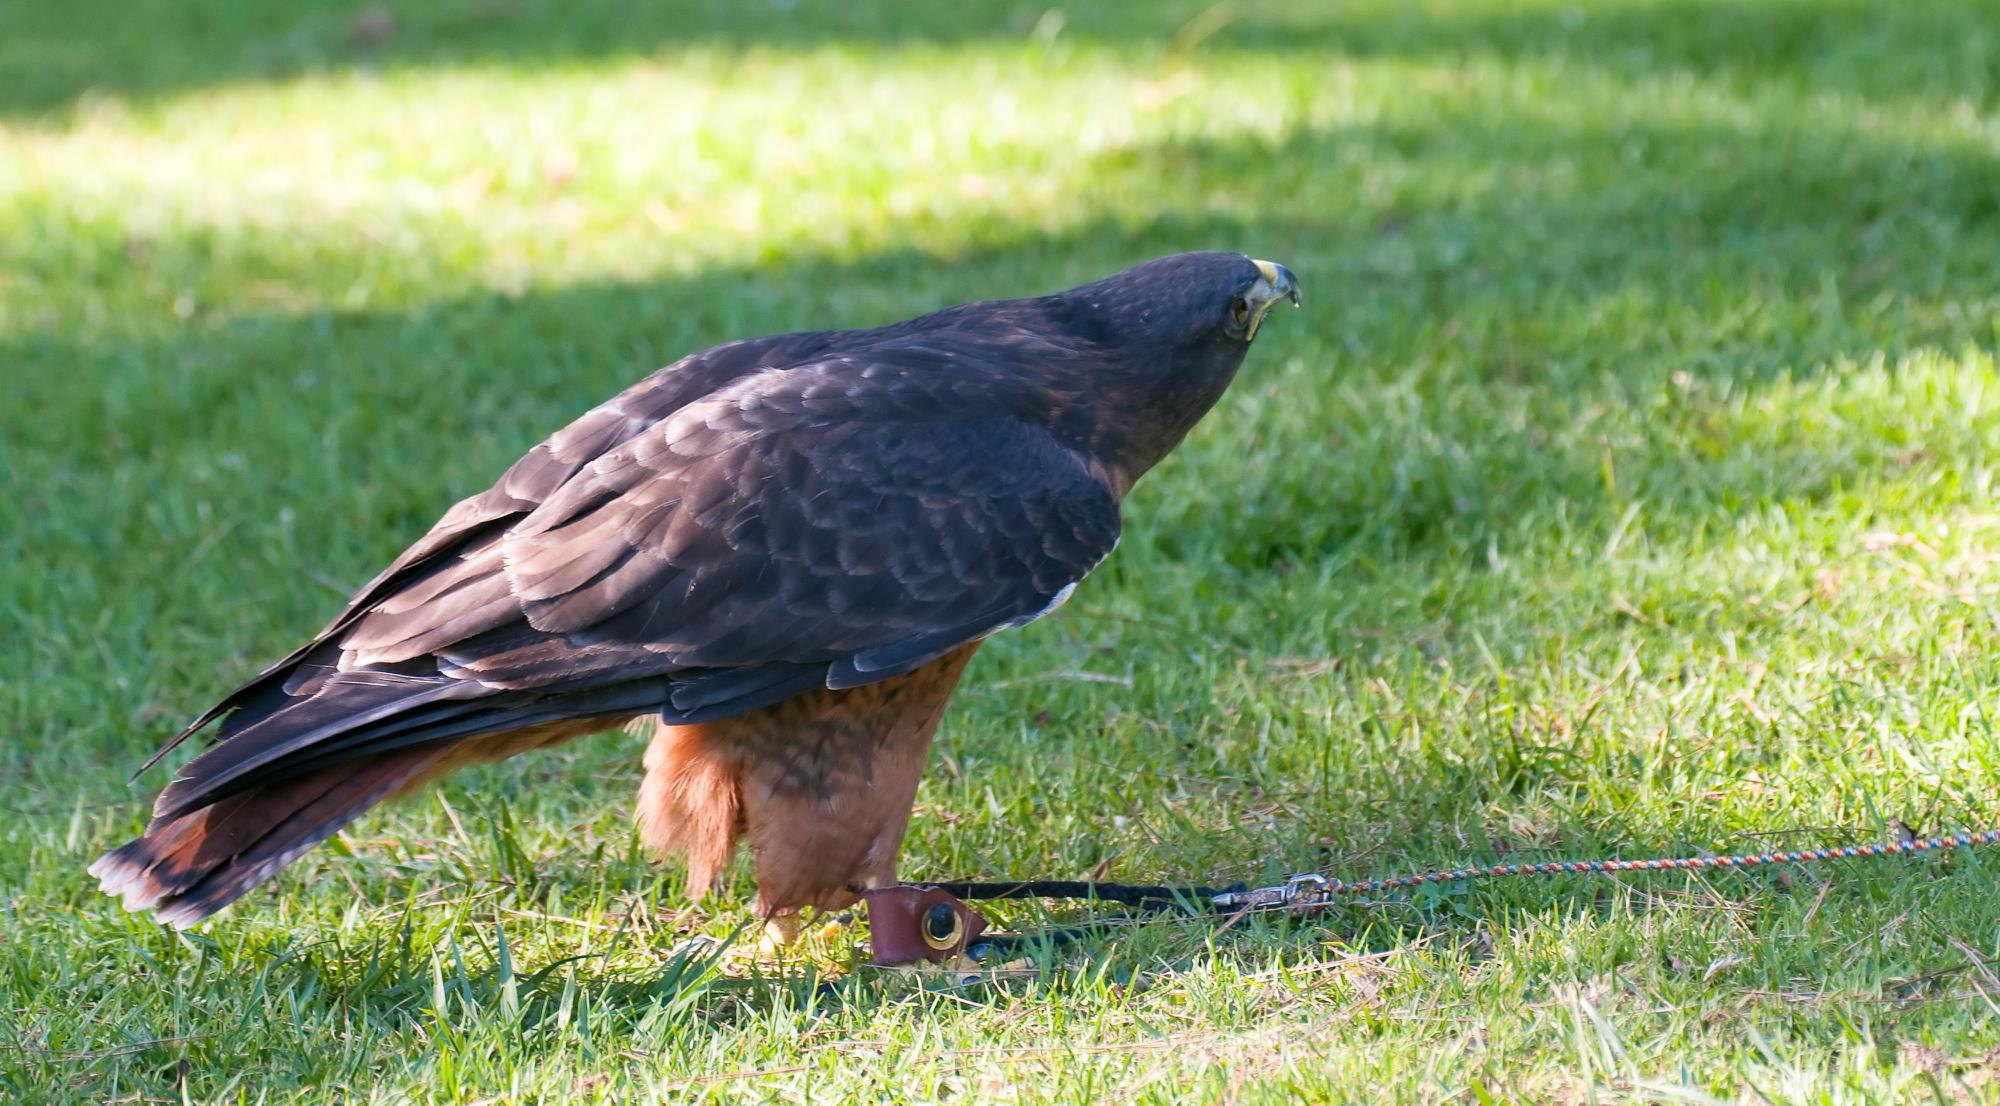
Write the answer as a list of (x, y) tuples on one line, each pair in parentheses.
[(1297, 892), (1305, 890)]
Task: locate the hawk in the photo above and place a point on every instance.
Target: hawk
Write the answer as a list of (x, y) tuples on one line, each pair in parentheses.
[(777, 554)]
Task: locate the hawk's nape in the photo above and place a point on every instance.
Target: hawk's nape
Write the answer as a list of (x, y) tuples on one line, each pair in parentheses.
[(783, 550)]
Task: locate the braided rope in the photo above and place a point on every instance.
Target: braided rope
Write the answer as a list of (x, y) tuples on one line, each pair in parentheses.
[(1306, 892), (1151, 896)]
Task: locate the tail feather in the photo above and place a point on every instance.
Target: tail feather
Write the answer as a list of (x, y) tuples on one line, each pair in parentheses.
[(187, 867), (345, 705), (367, 714), (253, 803), (457, 722)]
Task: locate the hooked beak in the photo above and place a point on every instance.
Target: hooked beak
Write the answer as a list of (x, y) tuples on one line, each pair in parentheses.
[(1278, 283)]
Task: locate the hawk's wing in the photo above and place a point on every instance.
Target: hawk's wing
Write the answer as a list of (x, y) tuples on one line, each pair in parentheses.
[(827, 524), (800, 517)]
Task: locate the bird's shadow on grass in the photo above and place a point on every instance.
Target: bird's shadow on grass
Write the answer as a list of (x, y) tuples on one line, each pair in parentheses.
[(708, 981)]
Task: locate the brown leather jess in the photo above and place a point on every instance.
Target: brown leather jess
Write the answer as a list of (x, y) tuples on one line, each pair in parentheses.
[(908, 924)]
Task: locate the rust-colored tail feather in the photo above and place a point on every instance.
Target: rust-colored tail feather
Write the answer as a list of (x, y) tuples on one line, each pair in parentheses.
[(290, 770), (186, 868)]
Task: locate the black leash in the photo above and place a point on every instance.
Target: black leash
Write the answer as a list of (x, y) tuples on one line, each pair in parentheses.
[(1145, 896)]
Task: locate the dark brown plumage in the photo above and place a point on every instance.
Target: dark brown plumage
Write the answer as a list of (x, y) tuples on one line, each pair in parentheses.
[(782, 550)]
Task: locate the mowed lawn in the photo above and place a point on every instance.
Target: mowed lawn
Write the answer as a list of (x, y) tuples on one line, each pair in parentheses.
[(1627, 487)]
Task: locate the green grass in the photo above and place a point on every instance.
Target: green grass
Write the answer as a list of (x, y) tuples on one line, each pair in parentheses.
[(1627, 487)]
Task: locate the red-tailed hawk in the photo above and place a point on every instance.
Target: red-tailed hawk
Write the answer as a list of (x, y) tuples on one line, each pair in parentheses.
[(779, 552)]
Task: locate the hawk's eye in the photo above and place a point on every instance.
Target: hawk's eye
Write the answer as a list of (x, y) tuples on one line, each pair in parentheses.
[(1239, 311), (941, 926)]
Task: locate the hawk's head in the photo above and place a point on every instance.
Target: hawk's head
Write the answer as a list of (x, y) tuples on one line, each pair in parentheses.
[(1204, 299), (1173, 332)]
